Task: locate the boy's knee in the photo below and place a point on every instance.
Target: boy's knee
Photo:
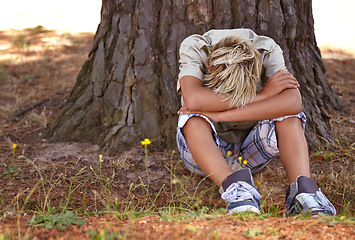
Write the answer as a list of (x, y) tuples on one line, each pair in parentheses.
[(288, 123), (195, 123)]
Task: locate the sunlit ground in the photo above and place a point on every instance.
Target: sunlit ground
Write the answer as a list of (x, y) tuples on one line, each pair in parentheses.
[(66, 15), (333, 19)]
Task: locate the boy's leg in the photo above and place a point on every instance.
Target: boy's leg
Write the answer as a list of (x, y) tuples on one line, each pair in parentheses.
[(199, 144), (303, 193), (293, 148), (285, 136), (208, 157)]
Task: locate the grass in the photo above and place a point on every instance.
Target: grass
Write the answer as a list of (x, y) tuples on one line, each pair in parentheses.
[(341, 178), (182, 204), (53, 199), (48, 210)]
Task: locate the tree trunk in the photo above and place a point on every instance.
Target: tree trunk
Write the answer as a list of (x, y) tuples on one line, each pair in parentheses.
[(126, 91)]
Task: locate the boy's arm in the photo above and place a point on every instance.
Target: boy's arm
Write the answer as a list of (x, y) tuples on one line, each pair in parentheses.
[(277, 83), (199, 98), (288, 102)]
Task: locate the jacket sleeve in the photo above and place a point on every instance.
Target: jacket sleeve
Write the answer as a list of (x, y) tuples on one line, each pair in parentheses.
[(193, 55), (274, 61)]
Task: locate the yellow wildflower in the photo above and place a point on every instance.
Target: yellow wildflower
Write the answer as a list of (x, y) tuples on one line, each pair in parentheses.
[(174, 181), (14, 146), (146, 142), (100, 156), (243, 163), (257, 183)]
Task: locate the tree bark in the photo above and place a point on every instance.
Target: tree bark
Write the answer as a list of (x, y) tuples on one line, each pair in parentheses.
[(126, 91)]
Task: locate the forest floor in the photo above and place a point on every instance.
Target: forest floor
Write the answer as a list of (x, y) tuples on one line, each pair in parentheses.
[(137, 194)]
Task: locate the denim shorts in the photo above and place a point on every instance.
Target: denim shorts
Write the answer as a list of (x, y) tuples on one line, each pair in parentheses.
[(259, 147)]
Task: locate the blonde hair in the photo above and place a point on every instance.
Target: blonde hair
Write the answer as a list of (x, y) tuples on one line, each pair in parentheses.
[(234, 70)]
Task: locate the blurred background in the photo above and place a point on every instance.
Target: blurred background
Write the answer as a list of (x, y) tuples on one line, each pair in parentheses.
[(333, 19), (65, 15)]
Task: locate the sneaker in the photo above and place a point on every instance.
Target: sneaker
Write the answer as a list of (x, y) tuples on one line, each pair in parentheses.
[(239, 192), (305, 196)]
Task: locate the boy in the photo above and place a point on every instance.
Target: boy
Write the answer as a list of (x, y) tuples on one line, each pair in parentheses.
[(239, 98)]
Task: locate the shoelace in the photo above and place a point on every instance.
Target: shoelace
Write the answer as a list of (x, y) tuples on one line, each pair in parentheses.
[(240, 191), (317, 200)]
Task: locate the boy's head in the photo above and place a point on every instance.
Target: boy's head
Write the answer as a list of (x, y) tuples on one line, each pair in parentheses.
[(234, 70)]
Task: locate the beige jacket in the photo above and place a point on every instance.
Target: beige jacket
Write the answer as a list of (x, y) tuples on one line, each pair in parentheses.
[(193, 58)]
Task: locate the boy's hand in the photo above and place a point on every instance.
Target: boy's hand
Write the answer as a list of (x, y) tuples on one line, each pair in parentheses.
[(278, 82), (184, 111), (213, 116)]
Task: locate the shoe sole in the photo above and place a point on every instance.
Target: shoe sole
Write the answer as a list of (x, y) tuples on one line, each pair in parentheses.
[(244, 208)]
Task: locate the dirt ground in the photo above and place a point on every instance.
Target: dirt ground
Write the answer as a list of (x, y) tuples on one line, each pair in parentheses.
[(38, 69)]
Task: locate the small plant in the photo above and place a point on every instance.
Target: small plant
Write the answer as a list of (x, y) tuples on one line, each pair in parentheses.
[(251, 233), (183, 205), (4, 236), (60, 221), (338, 219), (215, 234), (245, 215), (21, 42), (145, 143), (44, 205), (11, 171), (146, 187), (3, 74), (102, 235), (11, 168), (335, 150), (26, 77), (38, 29), (71, 190), (107, 199)]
